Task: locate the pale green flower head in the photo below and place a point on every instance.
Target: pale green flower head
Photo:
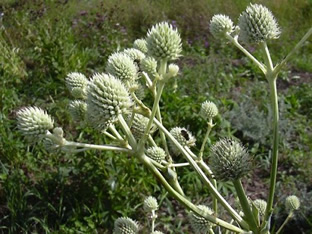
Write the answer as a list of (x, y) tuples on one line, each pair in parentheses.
[(122, 67), (220, 25), (134, 54), (107, 98), (77, 110), (150, 204), (156, 153), (33, 121), (229, 160), (139, 124), (292, 203), (173, 70), (208, 110), (257, 24), (261, 206), (126, 226), (140, 44), (183, 136), (77, 85), (149, 65), (199, 224), (164, 42)]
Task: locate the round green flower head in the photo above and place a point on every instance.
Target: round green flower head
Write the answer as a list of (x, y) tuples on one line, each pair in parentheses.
[(150, 204), (77, 110), (77, 85), (257, 24), (122, 67), (33, 121), (156, 153), (261, 206), (292, 203), (139, 124), (149, 65), (229, 160), (126, 226), (173, 70), (107, 98), (134, 54), (199, 224), (208, 110), (183, 136), (220, 25), (164, 42), (140, 44)]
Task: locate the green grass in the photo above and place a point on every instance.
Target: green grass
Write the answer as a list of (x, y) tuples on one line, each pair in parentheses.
[(83, 193)]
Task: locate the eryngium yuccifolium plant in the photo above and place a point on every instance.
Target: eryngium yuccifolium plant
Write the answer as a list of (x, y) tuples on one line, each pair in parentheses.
[(139, 124), (261, 206), (149, 65), (122, 67), (77, 85), (221, 25), (156, 153), (208, 110), (77, 110), (199, 224), (229, 160), (107, 98), (125, 226), (257, 24), (150, 204), (33, 121), (140, 44), (183, 136), (164, 42), (134, 54), (292, 203), (173, 70)]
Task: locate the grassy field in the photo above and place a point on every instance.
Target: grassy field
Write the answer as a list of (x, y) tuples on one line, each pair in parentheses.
[(52, 192)]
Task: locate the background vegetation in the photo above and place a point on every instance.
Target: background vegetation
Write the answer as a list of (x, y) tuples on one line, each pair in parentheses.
[(42, 41)]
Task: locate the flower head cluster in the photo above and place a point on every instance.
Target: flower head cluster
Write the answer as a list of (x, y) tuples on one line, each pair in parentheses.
[(261, 206), (292, 203), (139, 124), (257, 24), (164, 42), (77, 110), (33, 121), (221, 25), (183, 136), (126, 226), (77, 85), (199, 224), (229, 160), (150, 204), (140, 44), (208, 110), (156, 153)]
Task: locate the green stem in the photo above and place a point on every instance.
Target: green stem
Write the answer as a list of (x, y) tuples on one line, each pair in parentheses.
[(245, 205), (162, 135), (128, 132), (202, 148), (250, 56), (115, 132), (183, 200), (206, 181), (153, 217), (285, 222), (98, 147), (214, 200)]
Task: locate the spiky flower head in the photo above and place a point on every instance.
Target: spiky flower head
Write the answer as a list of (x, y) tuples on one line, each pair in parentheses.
[(229, 160), (140, 44), (292, 203), (33, 121), (107, 98), (122, 67), (257, 24), (173, 70), (208, 110), (183, 136), (77, 85), (156, 153), (164, 42), (199, 224), (220, 25), (149, 65), (150, 204), (261, 206), (139, 124), (126, 226), (134, 54), (77, 110)]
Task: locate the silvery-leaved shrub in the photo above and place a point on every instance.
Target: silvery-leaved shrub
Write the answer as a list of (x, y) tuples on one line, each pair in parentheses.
[(111, 103)]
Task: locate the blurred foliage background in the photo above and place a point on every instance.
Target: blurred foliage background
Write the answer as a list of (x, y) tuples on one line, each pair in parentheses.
[(42, 41)]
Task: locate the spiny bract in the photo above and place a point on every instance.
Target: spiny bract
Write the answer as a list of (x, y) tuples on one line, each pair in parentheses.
[(257, 24), (164, 42), (33, 121)]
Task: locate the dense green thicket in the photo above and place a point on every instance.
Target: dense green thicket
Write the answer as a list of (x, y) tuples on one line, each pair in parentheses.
[(42, 41)]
